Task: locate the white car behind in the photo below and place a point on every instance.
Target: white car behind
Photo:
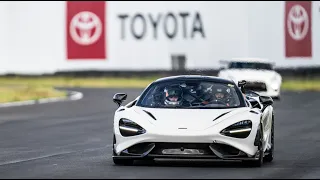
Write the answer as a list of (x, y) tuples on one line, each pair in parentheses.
[(259, 74)]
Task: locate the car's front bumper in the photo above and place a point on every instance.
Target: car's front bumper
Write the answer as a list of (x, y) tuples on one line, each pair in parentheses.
[(213, 151), (264, 88), (212, 145), (270, 92)]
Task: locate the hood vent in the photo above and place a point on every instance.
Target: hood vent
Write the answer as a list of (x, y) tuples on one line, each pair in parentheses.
[(221, 115), (150, 114), (254, 112), (121, 109)]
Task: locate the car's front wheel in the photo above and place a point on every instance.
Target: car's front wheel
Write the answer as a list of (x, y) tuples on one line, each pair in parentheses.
[(269, 156), (258, 162), (276, 98)]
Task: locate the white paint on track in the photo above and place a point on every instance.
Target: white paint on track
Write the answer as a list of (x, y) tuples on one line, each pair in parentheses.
[(73, 96), (32, 159), (52, 155)]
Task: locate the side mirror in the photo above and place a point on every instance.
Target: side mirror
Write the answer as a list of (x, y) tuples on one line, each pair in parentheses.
[(266, 100), (119, 98), (241, 84)]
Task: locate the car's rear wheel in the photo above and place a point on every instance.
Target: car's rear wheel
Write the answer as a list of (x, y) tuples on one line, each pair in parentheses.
[(258, 162), (269, 156)]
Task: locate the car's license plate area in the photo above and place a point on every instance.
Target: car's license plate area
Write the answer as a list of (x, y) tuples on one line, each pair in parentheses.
[(183, 151)]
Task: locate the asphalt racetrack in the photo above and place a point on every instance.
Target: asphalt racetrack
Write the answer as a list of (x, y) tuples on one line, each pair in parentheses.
[(73, 140)]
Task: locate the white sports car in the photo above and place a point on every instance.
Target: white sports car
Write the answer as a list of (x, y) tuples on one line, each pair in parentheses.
[(199, 117), (259, 74)]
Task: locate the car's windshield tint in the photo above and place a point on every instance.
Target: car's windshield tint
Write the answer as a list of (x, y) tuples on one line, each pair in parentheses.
[(246, 65), (191, 94)]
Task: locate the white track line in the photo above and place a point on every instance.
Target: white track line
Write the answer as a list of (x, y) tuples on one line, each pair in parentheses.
[(72, 97), (32, 159), (52, 155)]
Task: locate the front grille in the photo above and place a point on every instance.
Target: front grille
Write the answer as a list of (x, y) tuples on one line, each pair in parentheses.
[(203, 148), (184, 150), (255, 86)]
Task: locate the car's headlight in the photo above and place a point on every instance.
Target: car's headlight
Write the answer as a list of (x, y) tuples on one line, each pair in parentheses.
[(274, 82), (130, 128), (240, 129), (274, 86)]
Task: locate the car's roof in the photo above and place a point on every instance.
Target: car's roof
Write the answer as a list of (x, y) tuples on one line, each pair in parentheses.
[(247, 59), (195, 77)]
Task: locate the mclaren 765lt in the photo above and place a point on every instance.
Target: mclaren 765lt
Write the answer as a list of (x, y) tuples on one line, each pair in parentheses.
[(194, 117)]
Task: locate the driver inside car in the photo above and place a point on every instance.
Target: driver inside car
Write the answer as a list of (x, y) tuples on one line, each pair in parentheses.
[(204, 94), (221, 94), (173, 96)]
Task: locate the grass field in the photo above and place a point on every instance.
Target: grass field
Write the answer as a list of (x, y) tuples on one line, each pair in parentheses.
[(18, 88), (79, 82), (23, 88), (22, 93), (301, 85)]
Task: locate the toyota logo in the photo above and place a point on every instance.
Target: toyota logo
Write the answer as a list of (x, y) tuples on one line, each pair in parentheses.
[(298, 22), (85, 28)]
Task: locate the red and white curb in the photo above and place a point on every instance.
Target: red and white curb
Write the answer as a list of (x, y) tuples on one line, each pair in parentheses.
[(72, 96)]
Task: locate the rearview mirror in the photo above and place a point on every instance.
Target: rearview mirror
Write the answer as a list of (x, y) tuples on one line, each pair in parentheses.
[(119, 98), (266, 100)]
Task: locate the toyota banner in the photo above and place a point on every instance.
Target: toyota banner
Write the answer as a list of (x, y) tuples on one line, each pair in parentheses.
[(85, 30), (298, 29)]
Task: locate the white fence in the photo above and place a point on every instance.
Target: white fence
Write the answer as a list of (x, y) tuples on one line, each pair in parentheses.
[(45, 37)]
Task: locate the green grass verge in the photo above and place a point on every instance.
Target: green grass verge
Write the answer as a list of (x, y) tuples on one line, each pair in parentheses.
[(23, 93), (78, 82), (301, 85), (134, 82), (25, 88), (42, 87)]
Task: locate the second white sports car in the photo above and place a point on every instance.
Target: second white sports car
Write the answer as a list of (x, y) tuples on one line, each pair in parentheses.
[(259, 74), (194, 117)]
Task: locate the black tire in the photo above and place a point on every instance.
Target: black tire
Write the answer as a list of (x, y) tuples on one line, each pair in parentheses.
[(276, 98), (270, 155), (259, 162), (125, 162), (113, 143)]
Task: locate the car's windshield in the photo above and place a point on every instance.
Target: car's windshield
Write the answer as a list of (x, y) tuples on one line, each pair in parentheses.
[(191, 94), (250, 65)]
